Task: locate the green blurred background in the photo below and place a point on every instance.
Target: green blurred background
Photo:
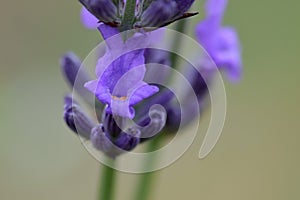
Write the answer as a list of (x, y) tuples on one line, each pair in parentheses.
[(257, 156)]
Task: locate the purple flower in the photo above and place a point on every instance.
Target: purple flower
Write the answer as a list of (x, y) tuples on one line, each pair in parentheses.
[(221, 43), (121, 78), (119, 81)]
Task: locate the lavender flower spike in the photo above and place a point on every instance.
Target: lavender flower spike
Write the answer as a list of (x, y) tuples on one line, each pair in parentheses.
[(221, 43), (120, 84)]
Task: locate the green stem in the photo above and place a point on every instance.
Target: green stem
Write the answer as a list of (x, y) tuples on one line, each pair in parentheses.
[(129, 15), (146, 179), (179, 27), (107, 184), (144, 186)]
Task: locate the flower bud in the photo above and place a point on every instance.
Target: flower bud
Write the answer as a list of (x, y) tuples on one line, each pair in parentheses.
[(76, 119), (76, 76), (126, 141), (163, 12), (104, 10), (100, 139), (111, 124), (158, 13)]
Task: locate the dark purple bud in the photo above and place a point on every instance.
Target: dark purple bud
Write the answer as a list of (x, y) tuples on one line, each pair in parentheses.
[(102, 141), (111, 124), (128, 140), (75, 75), (158, 13), (163, 12), (76, 119), (184, 5), (104, 10)]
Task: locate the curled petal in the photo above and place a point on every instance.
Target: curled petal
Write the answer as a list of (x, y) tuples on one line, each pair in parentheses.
[(158, 117)]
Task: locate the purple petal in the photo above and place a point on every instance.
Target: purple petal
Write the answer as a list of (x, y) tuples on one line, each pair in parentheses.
[(107, 31), (143, 92), (102, 93), (121, 81), (120, 106), (120, 72), (88, 20), (129, 81), (114, 72)]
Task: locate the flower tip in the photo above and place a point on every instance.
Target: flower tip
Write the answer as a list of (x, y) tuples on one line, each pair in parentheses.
[(70, 65), (68, 59), (88, 20)]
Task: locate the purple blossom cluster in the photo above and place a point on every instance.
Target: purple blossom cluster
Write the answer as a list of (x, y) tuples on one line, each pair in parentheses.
[(146, 13), (120, 92)]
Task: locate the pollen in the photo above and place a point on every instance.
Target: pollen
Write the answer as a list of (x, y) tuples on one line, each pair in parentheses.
[(124, 98)]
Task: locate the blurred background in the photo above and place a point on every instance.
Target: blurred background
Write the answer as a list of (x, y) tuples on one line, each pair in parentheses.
[(257, 156)]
